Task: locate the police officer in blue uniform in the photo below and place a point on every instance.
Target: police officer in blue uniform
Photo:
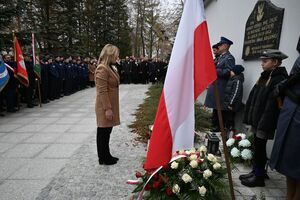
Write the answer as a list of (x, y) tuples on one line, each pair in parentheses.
[(224, 64)]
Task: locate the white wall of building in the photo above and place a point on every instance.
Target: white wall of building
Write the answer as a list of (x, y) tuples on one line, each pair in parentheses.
[(228, 18)]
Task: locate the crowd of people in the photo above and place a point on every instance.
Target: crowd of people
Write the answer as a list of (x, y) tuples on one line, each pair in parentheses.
[(62, 76), (272, 110)]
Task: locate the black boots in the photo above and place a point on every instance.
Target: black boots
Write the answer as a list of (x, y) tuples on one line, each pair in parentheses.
[(103, 136), (251, 180), (254, 181)]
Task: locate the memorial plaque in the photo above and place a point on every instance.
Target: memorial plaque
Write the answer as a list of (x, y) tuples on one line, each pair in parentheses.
[(263, 29)]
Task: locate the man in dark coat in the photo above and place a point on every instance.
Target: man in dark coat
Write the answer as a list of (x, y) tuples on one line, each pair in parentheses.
[(224, 65), (261, 112), (286, 148), (10, 90), (45, 80), (127, 67), (31, 78)]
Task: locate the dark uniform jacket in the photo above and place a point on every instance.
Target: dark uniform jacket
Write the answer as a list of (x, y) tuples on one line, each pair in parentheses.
[(262, 108), (234, 92), (225, 64)]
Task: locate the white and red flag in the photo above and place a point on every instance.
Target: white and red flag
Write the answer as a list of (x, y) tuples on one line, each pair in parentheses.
[(191, 69), (20, 71)]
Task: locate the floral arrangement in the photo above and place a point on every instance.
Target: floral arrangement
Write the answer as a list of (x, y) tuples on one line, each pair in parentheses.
[(240, 148), (192, 174)]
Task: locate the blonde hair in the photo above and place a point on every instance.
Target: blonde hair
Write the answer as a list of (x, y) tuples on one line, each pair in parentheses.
[(108, 53)]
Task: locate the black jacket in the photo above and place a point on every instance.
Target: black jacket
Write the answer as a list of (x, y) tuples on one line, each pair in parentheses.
[(234, 92), (262, 108)]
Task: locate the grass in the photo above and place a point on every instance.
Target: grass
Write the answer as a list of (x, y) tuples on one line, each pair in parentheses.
[(146, 112)]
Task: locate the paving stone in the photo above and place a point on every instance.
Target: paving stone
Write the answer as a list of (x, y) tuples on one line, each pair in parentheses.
[(14, 138), (8, 166), (82, 129), (45, 120), (21, 189), (72, 138), (59, 151), (55, 128), (5, 146), (39, 169), (67, 121), (6, 128), (30, 128), (42, 138), (24, 151)]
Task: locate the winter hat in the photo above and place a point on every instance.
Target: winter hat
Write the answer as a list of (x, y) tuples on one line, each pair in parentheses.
[(237, 69)]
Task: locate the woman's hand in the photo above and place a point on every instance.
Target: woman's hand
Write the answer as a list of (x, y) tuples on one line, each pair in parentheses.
[(109, 114)]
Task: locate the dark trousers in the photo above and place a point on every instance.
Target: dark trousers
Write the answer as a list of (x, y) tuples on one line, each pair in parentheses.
[(103, 136), (260, 156), (227, 116)]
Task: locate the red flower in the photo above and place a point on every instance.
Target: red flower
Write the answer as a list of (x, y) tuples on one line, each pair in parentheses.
[(156, 184), (155, 177), (169, 191), (138, 174), (237, 137), (147, 187)]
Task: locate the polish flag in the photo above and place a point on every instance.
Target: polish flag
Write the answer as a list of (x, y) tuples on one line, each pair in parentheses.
[(191, 69)]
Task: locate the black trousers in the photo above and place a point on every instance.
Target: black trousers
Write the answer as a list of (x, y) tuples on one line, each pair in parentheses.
[(103, 136), (260, 156), (227, 116)]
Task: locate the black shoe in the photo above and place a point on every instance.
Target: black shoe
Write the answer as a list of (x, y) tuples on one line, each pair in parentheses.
[(244, 176), (107, 162), (254, 181), (115, 158)]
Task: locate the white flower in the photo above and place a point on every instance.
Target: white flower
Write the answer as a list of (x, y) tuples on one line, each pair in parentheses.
[(193, 150), (193, 157), (207, 173), (187, 152), (202, 190), (246, 154), (230, 142), (235, 152), (174, 165), (181, 152), (194, 164), (242, 135), (203, 149), (176, 189), (244, 143), (186, 178), (211, 158), (217, 166)]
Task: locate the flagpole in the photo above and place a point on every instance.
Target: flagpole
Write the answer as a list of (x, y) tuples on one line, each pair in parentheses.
[(221, 124), (34, 63), (14, 46)]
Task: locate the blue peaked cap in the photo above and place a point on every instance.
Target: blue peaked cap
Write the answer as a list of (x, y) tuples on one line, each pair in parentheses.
[(224, 40)]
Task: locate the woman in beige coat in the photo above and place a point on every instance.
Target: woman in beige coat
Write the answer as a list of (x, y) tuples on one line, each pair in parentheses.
[(107, 82)]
